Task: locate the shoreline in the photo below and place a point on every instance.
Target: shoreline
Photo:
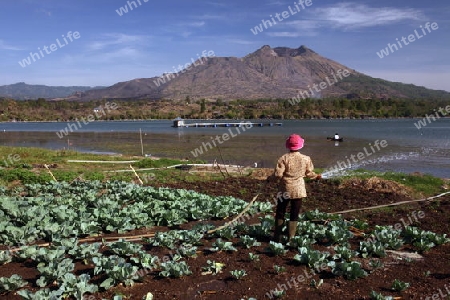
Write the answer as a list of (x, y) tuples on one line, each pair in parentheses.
[(102, 154), (409, 149), (224, 119)]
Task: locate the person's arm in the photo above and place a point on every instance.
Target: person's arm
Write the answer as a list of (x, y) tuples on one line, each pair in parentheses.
[(310, 170), (278, 172), (279, 169)]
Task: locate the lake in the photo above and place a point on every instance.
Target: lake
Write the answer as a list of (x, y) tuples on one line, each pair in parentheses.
[(406, 148)]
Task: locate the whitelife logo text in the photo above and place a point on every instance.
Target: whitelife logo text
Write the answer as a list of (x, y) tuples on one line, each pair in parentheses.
[(265, 24), (130, 4), (391, 48), (99, 112), (166, 77), (360, 156), (35, 56), (319, 87), (429, 118), (221, 138)]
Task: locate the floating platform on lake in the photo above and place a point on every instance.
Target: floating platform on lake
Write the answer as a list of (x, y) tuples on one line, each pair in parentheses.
[(180, 123)]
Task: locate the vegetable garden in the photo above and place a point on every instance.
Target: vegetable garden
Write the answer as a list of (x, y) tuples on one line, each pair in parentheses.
[(72, 241)]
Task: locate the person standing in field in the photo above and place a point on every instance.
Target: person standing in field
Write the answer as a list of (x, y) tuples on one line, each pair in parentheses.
[(290, 170)]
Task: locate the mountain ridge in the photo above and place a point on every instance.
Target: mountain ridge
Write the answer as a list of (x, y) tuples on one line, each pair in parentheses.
[(279, 72), (23, 91)]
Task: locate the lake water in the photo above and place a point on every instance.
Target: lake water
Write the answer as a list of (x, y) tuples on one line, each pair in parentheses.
[(407, 149)]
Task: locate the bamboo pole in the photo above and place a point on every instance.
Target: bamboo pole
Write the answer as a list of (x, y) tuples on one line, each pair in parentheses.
[(51, 174), (235, 218), (137, 176), (142, 144), (390, 204)]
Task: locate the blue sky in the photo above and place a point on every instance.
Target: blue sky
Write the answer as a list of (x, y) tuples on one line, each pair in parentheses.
[(155, 36)]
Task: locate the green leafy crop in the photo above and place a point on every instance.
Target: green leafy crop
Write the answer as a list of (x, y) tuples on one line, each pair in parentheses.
[(238, 274), (350, 270), (220, 245), (399, 286), (11, 283), (174, 269)]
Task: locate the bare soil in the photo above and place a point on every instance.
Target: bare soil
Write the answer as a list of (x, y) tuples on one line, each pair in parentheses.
[(426, 276)]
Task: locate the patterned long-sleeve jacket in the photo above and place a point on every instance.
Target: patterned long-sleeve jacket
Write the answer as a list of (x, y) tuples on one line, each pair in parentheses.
[(291, 168)]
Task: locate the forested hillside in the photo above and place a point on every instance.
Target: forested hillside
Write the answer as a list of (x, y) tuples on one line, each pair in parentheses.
[(42, 110)]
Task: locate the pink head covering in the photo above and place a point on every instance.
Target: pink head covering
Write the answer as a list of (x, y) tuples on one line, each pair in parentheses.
[(294, 142)]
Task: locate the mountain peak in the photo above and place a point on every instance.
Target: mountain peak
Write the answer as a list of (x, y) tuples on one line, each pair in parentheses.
[(304, 49), (301, 51), (265, 50)]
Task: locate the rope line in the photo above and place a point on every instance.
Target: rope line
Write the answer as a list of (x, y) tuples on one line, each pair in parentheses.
[(390, 204)]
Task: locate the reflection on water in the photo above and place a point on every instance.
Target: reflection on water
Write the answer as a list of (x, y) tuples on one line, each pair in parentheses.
[(409, 150)]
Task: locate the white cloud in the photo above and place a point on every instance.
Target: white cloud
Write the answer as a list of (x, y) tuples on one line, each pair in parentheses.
[(5, 46), (287, 34), (45, 12), (196, 24), (349, 15), (181, 28), (216, 4), (275, 3), (115, 39), (211, 17), (112, 48), (241, 41), (344, 16), (300, 28), (127, 52)]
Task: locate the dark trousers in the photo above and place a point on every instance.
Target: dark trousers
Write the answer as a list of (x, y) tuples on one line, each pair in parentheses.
[(296, 205)]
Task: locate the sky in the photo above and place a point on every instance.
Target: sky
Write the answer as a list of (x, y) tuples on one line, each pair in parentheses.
[(102, 42)]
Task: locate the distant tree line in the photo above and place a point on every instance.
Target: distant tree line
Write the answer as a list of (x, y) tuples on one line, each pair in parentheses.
[(42, 110)]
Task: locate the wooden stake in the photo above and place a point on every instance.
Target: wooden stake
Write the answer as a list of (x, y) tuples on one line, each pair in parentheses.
[(51, 174), (142, 145), (223, 161), (140, 181)]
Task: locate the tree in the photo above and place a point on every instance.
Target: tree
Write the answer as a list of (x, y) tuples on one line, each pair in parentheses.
[(219, 102), (202, 106)]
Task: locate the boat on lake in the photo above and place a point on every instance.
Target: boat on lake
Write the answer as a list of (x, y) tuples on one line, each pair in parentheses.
[(335, 140)]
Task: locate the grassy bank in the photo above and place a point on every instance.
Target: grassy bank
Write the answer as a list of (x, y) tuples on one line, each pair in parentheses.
[(19, 165), (421, 184), (27, 165)]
